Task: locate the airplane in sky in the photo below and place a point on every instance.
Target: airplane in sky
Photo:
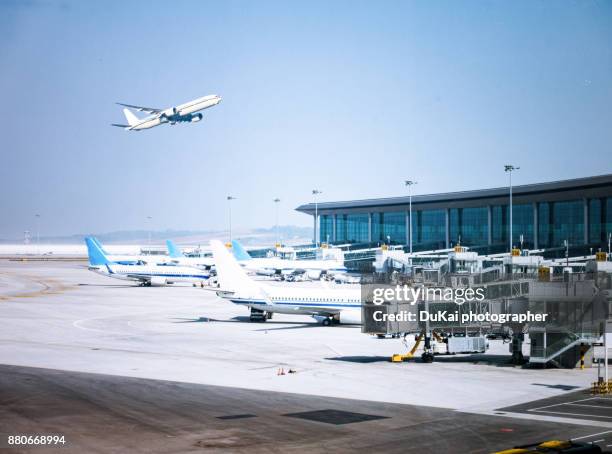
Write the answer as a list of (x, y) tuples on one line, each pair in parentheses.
[(274, 265), (188, 112), (147, 274), (328, 305), (177, 256)]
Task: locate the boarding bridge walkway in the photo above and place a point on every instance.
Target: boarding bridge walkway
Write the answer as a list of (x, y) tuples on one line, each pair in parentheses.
[(569, 341)]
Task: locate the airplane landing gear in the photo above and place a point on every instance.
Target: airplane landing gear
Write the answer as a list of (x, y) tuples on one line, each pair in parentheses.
[(258, 315), (427, 357), (328, 321)]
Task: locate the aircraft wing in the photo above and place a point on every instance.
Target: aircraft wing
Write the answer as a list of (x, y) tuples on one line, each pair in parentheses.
[(140, 277), (120, 126), (150, 110), (322, 311)]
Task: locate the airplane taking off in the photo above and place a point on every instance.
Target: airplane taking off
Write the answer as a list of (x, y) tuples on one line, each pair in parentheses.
[(274, 265), (177, 256), (183, 113), (328, 305), (144, 273)]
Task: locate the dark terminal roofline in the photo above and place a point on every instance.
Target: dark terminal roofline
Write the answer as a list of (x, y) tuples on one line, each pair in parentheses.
[(525, 189)]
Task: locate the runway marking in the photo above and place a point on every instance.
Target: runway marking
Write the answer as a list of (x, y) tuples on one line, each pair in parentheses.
[(49, 287), (588, 415), (592, 435), (562, 403), (575, 403), (586, 405)]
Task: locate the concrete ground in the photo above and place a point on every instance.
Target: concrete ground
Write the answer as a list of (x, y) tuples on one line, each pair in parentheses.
[(103, 413), (61, 317)]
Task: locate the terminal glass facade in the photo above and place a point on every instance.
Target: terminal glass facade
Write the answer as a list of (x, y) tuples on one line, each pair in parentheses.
[(394, 227), (389, 225), (499, 225), (469, 226), (600, 219), (479, 226), (608, 218), (522, 224), (428, 229), (326, 228), (559, 221), (377, 227), (357, 230), (595, 220), (341, 228)]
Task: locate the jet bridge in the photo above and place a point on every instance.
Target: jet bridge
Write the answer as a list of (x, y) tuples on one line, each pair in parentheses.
[(577, 303)]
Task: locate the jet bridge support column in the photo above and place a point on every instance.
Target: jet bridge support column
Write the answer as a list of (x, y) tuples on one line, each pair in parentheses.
[(427, 355), (516, 348)]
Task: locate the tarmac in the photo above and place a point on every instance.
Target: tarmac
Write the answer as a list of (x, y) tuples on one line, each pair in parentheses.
[(120, 367)]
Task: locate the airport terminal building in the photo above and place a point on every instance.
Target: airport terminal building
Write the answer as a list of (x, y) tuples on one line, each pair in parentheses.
[(544, 214)]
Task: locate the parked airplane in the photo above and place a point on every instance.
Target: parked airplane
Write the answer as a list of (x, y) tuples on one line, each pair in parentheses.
[(179, 114), (177, 256), (328, 305), (274, 265), (133, 259), (144, 273)]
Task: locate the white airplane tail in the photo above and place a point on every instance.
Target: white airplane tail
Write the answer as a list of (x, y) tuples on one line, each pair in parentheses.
[(130, 117), (231, 276)]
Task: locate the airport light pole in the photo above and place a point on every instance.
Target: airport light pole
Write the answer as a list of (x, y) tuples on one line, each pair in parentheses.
[(276, 200), (509, 169), (315, 193), (149, 218), (409, 184), (37, 233), (229, 205)]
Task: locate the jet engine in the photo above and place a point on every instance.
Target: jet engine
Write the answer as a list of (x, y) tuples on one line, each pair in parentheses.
[(350, 317), (158, 281), (196, 117)]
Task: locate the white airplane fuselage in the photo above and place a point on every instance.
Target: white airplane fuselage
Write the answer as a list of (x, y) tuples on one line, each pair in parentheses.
[(153, 274), (196, 262), (343, 304), (179, 114), (271, 265)]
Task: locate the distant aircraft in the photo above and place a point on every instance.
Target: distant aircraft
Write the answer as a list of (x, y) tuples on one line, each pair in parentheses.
[(144, 273), (176, 256), (274, 265), (179, 114), (132, 259), (328, 305)]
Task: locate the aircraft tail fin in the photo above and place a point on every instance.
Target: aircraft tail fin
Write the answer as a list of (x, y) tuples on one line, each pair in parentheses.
[(130, 117), (173, 251), (97, 241), (232, 277), (96, 256), (239, 251)]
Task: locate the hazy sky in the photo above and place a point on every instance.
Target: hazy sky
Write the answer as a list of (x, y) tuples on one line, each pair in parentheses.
[(348, 97)]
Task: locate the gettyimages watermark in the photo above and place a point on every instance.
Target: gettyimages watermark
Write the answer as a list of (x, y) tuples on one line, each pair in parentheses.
[(411, 295), (445, 306)]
